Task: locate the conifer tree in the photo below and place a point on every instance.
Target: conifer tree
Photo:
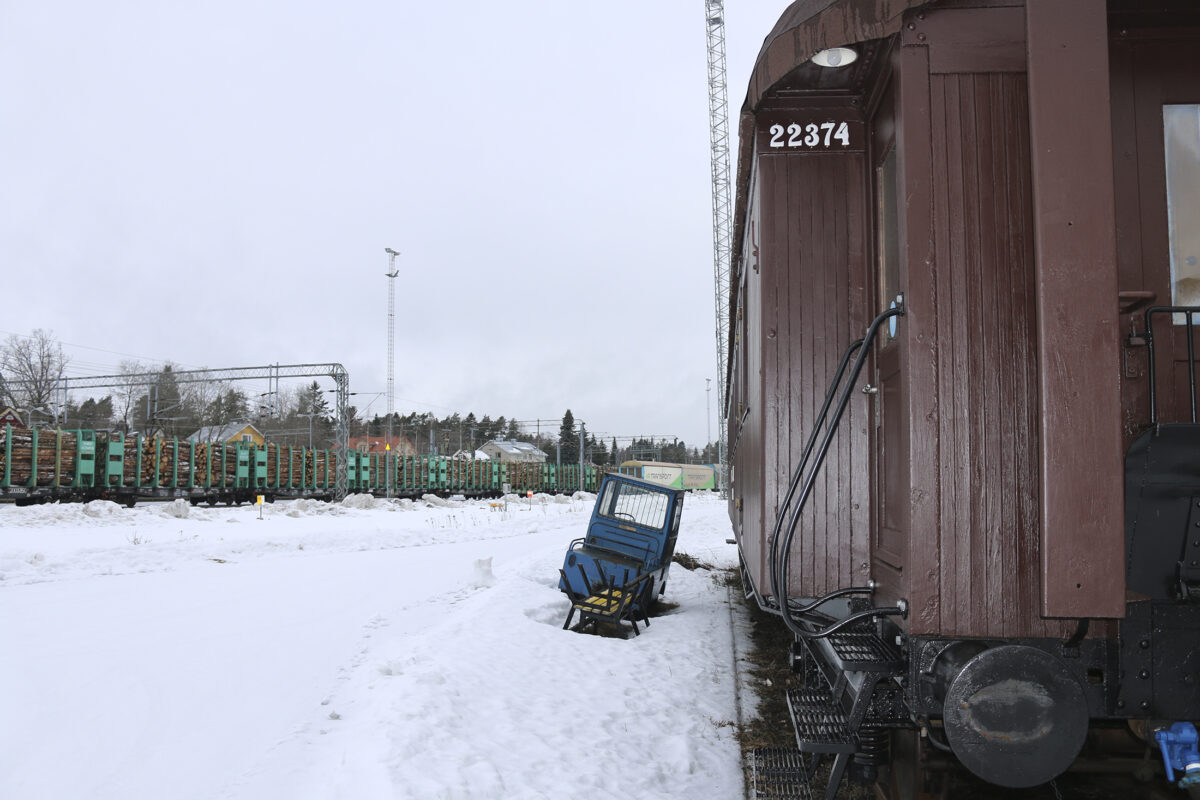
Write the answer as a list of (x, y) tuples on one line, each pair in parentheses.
[(568, 439)]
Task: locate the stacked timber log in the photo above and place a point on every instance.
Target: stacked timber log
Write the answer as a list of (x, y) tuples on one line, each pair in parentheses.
[(187, 452), (148, 463), (295, 468), (4, 449), (404, 472), (272, 464), (200, 459), (418, 471), (225, 460), (481, 473), (518, 475), (68, 445), (19, 442), (130, 461), (277, 466), (318, 463), (285, 471), (157, 463), (466, 473), (285, 465), (421, 476), (152, 462), (174, 462), (216, 465)]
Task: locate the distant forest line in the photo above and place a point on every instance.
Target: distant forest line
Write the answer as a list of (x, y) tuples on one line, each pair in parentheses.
[(31, 366)]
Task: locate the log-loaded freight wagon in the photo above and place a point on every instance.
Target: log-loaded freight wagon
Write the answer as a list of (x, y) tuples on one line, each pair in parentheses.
[(42, 465), (962, 404)]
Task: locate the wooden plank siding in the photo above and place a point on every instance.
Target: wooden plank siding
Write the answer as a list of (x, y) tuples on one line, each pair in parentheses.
[(971, 343), (987, 386), (990, 476), (1083, 537), (808, 299), (746, 417)]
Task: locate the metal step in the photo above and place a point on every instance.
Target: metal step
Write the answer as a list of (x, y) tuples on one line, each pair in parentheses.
[(887, 708), (780, 774), (861, 650), (820, 723)]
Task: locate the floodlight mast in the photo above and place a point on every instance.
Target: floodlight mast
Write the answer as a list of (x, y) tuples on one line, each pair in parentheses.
[(391, 383), (718, 120)]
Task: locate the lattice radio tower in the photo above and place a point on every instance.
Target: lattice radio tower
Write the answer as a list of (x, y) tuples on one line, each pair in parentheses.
[(718, 126)]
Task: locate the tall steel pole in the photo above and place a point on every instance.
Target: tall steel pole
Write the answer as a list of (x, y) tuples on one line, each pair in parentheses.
[(718, 125), (708, 408), (391, 385)]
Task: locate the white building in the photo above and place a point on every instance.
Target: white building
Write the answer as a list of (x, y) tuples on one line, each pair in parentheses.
[(501, 450)]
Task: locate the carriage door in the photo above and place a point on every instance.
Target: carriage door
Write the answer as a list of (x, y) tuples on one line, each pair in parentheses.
[(890, 451), (1156, 118)]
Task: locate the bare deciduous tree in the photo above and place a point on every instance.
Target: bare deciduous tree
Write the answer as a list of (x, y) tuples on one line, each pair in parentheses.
[(127, 395), (32, 366)]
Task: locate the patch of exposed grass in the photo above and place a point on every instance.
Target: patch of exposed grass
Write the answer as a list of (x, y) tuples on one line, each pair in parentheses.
[(690, 563), (771, 677), (660, 608), (730, 579)]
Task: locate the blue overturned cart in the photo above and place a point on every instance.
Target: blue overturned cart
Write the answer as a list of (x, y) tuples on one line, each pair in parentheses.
[(613, 575)]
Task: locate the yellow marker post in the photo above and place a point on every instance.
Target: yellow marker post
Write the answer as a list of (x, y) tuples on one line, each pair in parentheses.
[(259, 500)]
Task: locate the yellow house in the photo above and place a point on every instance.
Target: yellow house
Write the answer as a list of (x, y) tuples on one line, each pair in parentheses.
[(233, 432)]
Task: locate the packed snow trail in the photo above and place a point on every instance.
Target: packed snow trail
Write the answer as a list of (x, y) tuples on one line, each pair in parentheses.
[(348, 652)]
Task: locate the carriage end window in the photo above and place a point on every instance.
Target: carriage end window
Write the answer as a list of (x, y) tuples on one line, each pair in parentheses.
[(1181, 127)]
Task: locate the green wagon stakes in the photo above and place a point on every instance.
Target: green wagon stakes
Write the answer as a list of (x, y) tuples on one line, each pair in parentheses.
[(40, 465)]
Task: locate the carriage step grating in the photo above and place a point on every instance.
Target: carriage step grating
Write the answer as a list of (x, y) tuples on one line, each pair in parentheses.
[(779, 774), (887, 708), (819, 722), (864, 651)]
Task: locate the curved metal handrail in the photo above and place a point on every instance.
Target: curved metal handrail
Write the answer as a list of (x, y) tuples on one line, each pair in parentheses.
[(779, 577), (799, 473), (1189, 323)]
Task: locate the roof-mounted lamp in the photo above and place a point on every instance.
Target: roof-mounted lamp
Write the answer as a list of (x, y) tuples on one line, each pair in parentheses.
[(835, 57)]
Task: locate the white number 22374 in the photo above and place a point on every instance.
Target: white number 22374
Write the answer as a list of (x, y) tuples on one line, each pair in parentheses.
[(810, 135)]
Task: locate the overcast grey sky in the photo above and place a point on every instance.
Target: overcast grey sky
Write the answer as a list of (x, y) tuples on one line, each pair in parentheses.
[(214, 184)]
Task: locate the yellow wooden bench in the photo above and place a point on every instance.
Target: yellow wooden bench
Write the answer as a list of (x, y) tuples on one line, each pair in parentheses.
[(610, 604)]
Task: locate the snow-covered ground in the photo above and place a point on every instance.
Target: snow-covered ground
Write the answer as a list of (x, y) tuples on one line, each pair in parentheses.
[(357, 650)]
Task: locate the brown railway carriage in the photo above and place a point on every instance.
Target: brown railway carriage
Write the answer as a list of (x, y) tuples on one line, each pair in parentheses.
[(1022, 180)]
